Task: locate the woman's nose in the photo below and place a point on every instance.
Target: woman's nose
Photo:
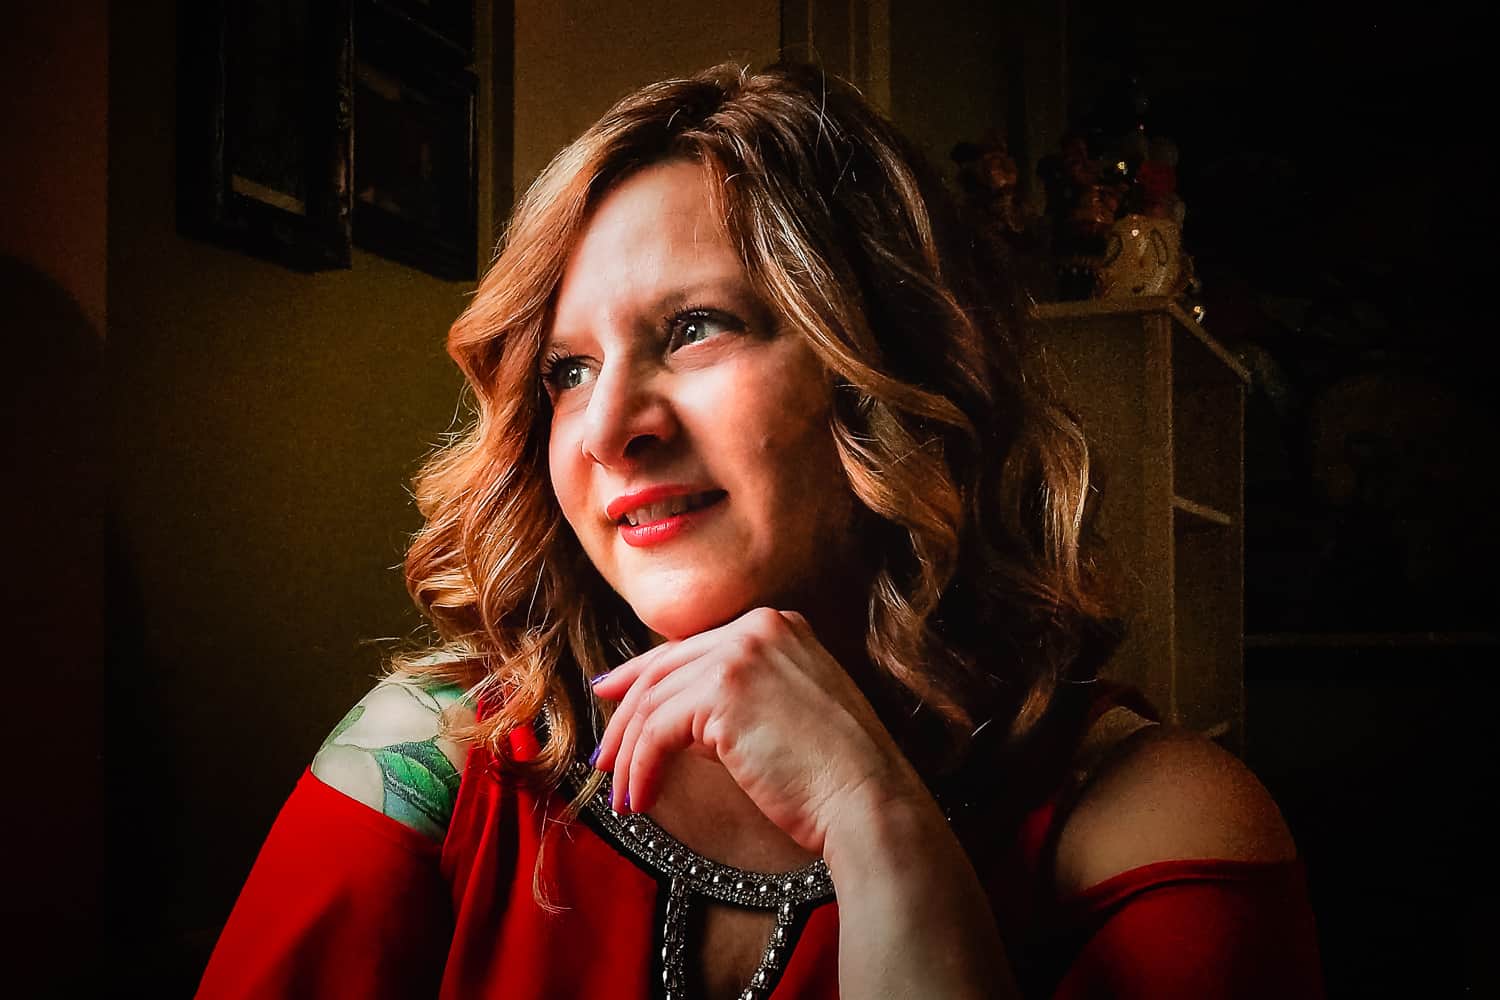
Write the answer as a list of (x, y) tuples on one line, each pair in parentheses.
[(627, 416)]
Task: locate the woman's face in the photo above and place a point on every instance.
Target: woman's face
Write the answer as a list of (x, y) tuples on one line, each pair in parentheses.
[(690, 447)]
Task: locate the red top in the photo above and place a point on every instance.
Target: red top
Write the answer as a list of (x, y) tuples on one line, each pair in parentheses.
[(344, 901)]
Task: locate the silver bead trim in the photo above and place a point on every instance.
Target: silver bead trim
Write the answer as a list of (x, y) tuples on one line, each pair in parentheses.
[(669, 857), (674, 947), (693, 876), (674, 940)]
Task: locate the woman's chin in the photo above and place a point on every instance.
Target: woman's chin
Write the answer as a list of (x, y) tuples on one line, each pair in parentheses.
[(674, 620)]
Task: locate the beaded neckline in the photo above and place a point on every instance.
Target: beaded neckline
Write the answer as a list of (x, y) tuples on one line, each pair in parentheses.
[(666, 855), (691, 877)]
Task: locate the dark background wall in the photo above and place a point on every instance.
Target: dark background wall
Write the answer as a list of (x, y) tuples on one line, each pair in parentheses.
[(262, 423), (53, 106), (1330, 158)]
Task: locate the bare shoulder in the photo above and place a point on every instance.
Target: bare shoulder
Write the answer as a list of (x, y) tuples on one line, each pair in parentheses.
[(1168, 794), (393, 751)]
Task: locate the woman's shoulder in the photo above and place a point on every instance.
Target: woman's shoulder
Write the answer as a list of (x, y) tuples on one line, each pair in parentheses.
[(1164, 794), (394, 751)]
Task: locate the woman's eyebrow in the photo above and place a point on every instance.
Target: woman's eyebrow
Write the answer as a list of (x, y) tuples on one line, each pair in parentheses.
[(735, 288)]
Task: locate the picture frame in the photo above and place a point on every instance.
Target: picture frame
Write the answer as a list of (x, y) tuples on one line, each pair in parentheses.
[(416, 189), (265, 141), (448, 24)]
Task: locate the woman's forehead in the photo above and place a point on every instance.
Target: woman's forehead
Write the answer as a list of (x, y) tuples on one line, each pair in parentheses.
[(665, 206), (653, 239)]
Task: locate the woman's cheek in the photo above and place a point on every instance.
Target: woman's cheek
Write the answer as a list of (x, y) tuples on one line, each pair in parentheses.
[(564, 461)]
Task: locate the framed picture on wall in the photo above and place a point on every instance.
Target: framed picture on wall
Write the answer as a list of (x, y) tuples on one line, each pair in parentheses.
[(264, 128), (449, 23), (415, 177)]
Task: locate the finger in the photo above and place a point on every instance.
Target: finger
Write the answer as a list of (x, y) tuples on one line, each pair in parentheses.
[(644, 711), (640, 687), (674, 725), (801, 628), (797, 621), (614, 732), (667, 656), (612, 684), (617, 758), (630, 740), (615, 683), (819, 666), (620, 791), (641, 672), (629, 697)]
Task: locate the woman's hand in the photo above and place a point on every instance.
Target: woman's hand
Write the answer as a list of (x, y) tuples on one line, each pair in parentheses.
[(762, 697)]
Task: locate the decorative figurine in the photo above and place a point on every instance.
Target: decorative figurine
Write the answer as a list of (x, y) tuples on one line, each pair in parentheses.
[(1083, 197), (1156, 181), (1143, 257), (990, 183), (989, 179)]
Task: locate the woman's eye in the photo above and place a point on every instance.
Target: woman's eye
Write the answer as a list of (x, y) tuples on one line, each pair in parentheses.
[(698, 325), (562, 374)]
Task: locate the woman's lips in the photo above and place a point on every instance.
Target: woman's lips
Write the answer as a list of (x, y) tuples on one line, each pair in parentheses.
[(656, 532)]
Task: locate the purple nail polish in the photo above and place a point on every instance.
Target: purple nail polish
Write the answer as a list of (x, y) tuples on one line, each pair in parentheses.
[(594, 757), (627, 803), (601, 677)]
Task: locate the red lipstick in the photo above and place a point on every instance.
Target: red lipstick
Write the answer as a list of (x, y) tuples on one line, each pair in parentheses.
[(622, 505), (656, 532)]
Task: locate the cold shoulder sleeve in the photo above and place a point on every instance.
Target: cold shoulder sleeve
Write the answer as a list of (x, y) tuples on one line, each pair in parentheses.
[(1208, 929), (341, 901)]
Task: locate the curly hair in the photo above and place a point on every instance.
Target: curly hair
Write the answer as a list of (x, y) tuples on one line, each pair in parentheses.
[(972, 482)]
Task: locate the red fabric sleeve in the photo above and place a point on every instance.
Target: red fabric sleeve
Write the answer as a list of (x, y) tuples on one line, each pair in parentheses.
[(342, 901), (1204, 929)]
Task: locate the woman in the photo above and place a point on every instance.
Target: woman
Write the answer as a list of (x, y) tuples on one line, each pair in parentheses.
[(760, 518)]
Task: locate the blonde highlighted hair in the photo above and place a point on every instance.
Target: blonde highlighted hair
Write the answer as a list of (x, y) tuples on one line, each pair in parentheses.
[(972, 482)]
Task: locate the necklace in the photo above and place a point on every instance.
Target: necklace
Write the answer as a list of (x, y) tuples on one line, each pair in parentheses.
[(692, 878)]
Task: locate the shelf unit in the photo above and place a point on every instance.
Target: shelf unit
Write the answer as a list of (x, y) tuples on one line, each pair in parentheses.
[(1163, 407)]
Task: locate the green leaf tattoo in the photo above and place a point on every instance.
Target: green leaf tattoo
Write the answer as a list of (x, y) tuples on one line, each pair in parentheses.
[(348, 720), (421, 784), (418, 782)]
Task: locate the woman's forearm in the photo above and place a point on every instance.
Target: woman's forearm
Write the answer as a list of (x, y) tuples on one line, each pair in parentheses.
[(913, 919)]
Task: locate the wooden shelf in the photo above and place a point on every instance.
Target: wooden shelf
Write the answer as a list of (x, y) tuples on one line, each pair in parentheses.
[(1141, 305), (1162, 406), (1134, 305), (1201, 511)]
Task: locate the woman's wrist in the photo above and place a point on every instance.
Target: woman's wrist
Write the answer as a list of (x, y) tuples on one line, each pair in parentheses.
[(877, 830), (912, 912)]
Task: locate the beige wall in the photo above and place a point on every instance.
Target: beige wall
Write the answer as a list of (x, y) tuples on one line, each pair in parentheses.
[(574, 58), (948, 73), (941, 67), (265, 425)]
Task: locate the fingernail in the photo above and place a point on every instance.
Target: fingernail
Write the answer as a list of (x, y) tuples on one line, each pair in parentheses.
[(627, 802), (601, 677), (594, 757)]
